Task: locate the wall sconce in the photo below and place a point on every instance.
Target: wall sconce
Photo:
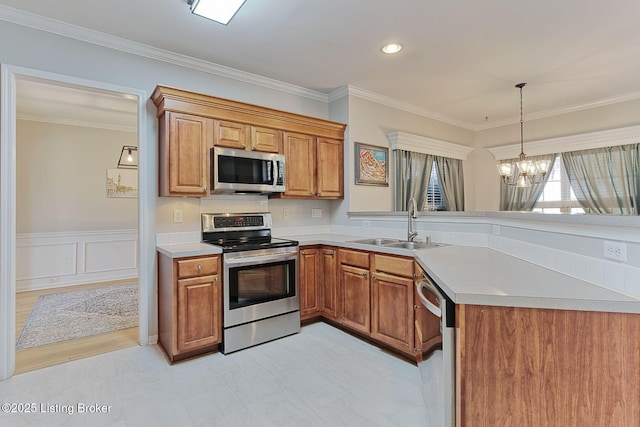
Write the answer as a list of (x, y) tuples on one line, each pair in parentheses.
[(128, 157)]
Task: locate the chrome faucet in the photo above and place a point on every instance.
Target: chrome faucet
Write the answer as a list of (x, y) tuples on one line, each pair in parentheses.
[(412, 212)]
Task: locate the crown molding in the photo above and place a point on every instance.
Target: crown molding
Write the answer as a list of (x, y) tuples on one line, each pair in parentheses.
[(584, 141), (422, 144), (405, 106), (631, 96), (53, 26)]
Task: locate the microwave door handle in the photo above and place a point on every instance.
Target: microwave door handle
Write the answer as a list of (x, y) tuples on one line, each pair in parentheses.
[(274, 172)]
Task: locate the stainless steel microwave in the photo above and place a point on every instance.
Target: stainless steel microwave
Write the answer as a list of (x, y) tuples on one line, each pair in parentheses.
[(240, 171)]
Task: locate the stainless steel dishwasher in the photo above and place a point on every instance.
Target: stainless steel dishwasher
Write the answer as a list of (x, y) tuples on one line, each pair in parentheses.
[(437, 363)]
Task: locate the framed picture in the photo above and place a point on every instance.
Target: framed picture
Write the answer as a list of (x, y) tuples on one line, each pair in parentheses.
[(122, 183), (372, 165)]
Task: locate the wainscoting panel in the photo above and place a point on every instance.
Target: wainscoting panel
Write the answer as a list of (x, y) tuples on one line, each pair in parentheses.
[(51, 260)]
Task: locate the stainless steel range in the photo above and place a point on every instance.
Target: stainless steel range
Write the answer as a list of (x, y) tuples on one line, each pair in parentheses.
[(260, 276)]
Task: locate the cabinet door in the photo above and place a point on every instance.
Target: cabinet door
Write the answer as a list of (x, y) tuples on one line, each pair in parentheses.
[(265, 139), (300, 165), (230, 134), (328, 282), (309, 290), (185, 156), (330, 168), (392, 310), (356, 298), (199, 315), (426, 325)]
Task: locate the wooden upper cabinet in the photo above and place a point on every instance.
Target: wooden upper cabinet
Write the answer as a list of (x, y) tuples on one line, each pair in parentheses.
[(185, 141), (330, 168), (299, 153), (230, 134), (245, 137), (312, 146), (266, 140), (314, 167)]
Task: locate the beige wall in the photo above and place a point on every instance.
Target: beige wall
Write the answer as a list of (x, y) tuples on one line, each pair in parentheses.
[(61, 179), (369, 123), (486, 184)]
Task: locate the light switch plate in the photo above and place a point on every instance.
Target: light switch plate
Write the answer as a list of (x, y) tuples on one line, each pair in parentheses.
[(316, 213), (177, 216)]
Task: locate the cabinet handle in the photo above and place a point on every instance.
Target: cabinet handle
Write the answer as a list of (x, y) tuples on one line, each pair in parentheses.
[(204, 188), (373, 276), (320, 194), (253, 147), (244, 145), (415, 276), (215, 278), (199, 267), (364, 274), (416, 307)]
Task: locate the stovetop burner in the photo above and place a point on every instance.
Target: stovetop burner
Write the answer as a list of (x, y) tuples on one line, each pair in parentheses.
[(241, 232)]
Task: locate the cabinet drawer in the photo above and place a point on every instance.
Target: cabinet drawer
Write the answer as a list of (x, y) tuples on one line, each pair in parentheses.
[(393, 265), (197, 267), (355, 258)]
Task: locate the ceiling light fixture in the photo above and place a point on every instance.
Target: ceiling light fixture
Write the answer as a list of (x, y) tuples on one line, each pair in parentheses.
[(392, 48), (531, 172), (217, 10)]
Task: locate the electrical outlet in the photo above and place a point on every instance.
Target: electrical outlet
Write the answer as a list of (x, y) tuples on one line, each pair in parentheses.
[(177, 216), (316, 213), (615, 250), (285, 213)]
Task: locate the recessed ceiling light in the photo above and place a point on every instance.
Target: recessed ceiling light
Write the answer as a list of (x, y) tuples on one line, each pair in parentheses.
[(392, 48), (217, 10)]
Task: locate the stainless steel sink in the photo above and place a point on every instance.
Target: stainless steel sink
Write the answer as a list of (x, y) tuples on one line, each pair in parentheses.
[(375, 241), (411, 245)]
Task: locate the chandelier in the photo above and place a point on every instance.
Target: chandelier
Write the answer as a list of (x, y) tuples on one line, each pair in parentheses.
[(530, 172)]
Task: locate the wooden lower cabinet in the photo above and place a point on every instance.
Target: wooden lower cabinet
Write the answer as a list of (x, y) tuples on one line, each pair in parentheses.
[(318, 282), (392, 311), (426, 325), (537, 367), (329, 282), (309, 263), (356, 298), (189, 305)]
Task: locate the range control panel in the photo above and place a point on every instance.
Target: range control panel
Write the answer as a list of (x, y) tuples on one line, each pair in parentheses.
[(238, 221)]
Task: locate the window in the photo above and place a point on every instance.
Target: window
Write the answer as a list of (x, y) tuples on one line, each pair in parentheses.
[(434, 200), (557, 196)]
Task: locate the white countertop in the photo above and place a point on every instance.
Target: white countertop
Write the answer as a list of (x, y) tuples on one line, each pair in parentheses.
[(475, 275), (181, 250)]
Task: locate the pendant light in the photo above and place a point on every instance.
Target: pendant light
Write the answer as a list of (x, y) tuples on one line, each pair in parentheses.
[(530, 172)]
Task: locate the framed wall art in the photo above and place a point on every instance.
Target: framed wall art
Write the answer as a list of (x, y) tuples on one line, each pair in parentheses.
[(372, 165), (122, 183)]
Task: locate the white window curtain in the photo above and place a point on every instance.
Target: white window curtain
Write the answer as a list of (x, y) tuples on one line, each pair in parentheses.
[(451, 181), (513, 198), (411, 177), (605, 180)]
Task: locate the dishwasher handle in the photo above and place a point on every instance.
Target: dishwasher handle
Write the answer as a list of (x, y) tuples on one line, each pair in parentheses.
[(430, 288)]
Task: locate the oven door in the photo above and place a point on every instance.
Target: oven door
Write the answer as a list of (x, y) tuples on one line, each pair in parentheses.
[(260, 284)]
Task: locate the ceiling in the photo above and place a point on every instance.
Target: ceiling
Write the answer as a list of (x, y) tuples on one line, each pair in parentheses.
[(461, 58)]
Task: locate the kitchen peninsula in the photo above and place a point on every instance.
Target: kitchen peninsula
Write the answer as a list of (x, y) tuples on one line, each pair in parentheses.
[(535, 347)]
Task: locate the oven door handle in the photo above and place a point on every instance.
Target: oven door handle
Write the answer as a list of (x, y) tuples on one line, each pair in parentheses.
[(253, 260)]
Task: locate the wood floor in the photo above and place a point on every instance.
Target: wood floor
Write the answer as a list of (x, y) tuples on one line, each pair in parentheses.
[(52, 354)]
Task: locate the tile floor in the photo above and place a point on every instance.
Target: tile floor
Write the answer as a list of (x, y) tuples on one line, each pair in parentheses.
[(320, 377)]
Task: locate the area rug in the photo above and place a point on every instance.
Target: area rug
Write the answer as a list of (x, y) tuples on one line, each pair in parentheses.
[(76, 314)]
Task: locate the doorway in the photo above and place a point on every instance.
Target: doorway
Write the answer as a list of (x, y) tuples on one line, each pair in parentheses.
[(12, 77)]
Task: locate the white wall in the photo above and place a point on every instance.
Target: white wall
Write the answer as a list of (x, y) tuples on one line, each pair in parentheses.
[(61, 179)]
